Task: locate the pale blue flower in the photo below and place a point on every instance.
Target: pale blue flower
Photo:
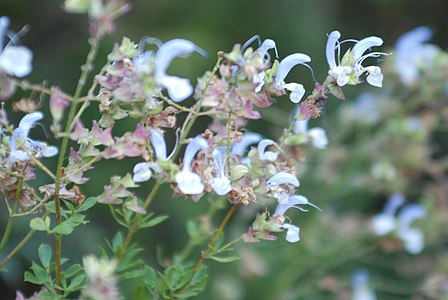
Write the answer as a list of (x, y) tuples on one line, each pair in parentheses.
[(297, 90), (267, 155), (247, 139), (188, 182), (220, 183), (293, 202), (361, 286), (316, 135), (413, 238), (292, 233), (14, 60), (274, 183), (386, 222), (350, 70), (22, 147), (412, 54), (178, 88), (142, 171)]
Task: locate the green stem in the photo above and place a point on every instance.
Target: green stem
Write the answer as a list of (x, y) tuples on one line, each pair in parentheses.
[(210, 246), (194, 114), (43, 167), (17, 248), (135, 223), (10, 223), (81, 83)]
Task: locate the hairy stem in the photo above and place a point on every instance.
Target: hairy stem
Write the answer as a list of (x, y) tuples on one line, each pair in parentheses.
[(73, 108)]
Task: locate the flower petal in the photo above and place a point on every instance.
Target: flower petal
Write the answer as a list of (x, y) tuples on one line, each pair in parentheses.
[(159, 145), (318, 137), (292, 235), (189, 183), (297, 91), (196, 144), (27, 122), (16, 61), (287, 64), (172, 49), (142, 172), (333, 38), (246, 140), (267, 155), (364, 44), (178, 88), (283, 178)]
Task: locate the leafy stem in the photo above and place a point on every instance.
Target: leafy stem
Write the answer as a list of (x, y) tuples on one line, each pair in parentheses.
[(211, 246)]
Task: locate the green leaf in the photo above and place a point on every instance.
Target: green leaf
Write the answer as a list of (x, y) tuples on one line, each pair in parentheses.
[(117, 242), (69, 225), (87, 204), (153, 222), (224, 260), (64, 228), (44, 253), (72, 270), (78, 282), (39, 224)]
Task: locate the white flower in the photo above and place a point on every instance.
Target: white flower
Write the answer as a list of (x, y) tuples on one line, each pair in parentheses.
[(292, 234), (188, 182), (293, 202), (350, 69), (14, 60), (273, 185), (316, 135), (361, 286), (386, 222), (412, 54), (178, 88), (220, 183), (297, 90), (283, 178), (246, 140), (267, 155), (412, 238), (267, 45), (142, 172), (20, 139)]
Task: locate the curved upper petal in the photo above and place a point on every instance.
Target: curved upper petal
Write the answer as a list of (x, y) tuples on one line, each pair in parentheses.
[(196, 144), (288, 63), (333, 38), (28, 121), (247, 139), (364, 44), (159, 145)]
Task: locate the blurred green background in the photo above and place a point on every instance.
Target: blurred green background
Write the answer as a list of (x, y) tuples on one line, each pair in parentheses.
[(59, 44)]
